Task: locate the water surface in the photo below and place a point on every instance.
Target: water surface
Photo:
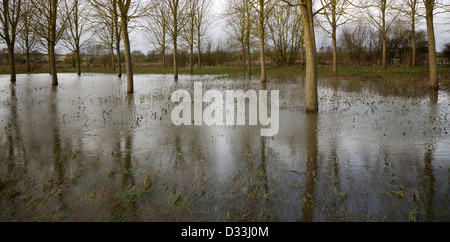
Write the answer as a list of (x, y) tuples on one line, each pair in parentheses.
[(85, 151)]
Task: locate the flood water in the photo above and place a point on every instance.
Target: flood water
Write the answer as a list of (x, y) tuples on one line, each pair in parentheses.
[(86, 151)]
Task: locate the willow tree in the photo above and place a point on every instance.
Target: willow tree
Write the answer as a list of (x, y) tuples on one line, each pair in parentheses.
[(10, 12), (306, 7)]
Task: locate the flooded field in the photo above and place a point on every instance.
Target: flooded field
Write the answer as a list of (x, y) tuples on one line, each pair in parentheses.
[(85, 151)]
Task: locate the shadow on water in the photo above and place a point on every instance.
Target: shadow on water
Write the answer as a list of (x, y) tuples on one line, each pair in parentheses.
[(13, 133), (428, 177), (124, 206), (59, 158), (434, 96), (309, 194)]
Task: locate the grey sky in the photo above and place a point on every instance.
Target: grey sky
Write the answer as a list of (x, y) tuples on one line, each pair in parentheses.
[(140, 41), (217, 31)]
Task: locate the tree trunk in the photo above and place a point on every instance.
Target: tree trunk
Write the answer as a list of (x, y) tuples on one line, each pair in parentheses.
[(49, 60), (191, 48), (302, 48), (117, 39), (243, 56), (77, 53), (384, 35), (335, 68), (175, 64), (199, 54), (27, 57), (383, 62), (191, 60), (249, 56), (12, 63), (249, 60), (164, 57), (261, 40), (52, 60), (432, 47), (333, 36), (312, 103), (128, 61), (119, 59), (113, 58), (414, 45)]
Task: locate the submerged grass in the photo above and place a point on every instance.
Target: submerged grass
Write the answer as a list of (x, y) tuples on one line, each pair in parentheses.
[(247, 195), (53, 216), (361, 71)]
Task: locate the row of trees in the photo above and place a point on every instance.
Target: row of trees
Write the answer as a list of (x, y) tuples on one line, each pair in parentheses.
[(73, 23), (288, 25), (284, 29), (47, 22)]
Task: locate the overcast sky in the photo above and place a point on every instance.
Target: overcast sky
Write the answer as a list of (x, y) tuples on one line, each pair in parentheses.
[(140, 40), (217, 32)]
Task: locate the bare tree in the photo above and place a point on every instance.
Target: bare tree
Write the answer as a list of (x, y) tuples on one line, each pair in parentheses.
[(410, 10), (104, 32), (130, 10), (235, 13), (77, 28), (117, 36), (382, 14), (284, 41), (124, 7), (27, 37), (202, 22), (10, 12), (336, 14), (362, 42), (50, 27), (306, 7), (248, 16), (432, 57), (263, 8), (312, 102), (177, 20), (353, 40), (188, 32), (157, 26), (108, 30)]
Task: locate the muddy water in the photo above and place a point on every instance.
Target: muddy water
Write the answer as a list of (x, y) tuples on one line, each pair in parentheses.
[(85, 151)]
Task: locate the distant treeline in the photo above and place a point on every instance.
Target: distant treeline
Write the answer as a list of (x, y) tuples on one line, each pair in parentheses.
[(359, 45)]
